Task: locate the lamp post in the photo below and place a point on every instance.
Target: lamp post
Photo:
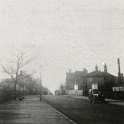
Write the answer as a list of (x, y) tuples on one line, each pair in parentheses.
[(40, 86)]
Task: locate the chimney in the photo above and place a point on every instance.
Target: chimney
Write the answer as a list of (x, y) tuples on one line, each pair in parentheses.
[(96, 68), (105, 68), (119, 70)]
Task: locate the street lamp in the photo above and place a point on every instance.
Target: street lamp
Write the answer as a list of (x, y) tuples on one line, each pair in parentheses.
[(40, 86)]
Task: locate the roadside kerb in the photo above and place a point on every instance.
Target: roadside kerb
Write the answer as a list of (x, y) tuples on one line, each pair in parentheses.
[(60, 112)]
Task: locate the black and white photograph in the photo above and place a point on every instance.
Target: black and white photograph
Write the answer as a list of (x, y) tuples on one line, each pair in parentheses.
[(61, 62)]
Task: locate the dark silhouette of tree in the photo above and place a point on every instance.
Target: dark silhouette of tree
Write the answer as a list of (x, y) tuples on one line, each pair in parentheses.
[(13, 69)]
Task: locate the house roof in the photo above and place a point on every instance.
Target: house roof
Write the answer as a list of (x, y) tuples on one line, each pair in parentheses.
[(76, 74), (99, 74)]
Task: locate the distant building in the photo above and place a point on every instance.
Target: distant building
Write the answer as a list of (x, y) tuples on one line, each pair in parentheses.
[(104, 81), (74, 82), (85, 81)]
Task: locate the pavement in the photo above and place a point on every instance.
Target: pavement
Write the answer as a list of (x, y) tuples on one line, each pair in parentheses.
[(31, 111), (110, 101)]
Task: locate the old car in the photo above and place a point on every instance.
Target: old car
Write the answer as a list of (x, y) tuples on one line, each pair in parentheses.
[(96, 96)]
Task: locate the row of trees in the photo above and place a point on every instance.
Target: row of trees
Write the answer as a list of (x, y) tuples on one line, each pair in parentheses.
[(19, 82)]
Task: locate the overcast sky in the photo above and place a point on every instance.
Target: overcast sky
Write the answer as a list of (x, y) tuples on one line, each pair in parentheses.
[(63, 34)]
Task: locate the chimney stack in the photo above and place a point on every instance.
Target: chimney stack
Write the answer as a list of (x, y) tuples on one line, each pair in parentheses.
[(96, 68), (119, 70), (105, 68)]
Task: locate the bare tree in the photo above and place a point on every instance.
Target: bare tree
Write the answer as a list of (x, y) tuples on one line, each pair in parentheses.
[(14, 69)]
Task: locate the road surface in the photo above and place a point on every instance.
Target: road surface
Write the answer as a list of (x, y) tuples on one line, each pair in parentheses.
[(82, 112), (30, 111)]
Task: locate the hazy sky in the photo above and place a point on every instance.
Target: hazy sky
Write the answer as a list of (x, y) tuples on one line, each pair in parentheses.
[(63, 34)]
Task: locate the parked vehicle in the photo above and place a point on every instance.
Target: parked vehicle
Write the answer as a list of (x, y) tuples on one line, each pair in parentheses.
[(96, 96)]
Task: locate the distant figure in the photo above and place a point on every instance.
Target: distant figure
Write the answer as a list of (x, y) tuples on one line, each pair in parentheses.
[(20, 98), (40, 97)]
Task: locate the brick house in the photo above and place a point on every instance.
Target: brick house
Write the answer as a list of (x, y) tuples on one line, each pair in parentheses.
[(103, 80)]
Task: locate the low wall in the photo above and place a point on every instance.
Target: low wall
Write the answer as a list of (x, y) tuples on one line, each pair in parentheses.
[(74, 92)]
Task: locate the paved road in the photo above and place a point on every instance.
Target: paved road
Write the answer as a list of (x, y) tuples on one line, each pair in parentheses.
[(82, 112), (30, 111)]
